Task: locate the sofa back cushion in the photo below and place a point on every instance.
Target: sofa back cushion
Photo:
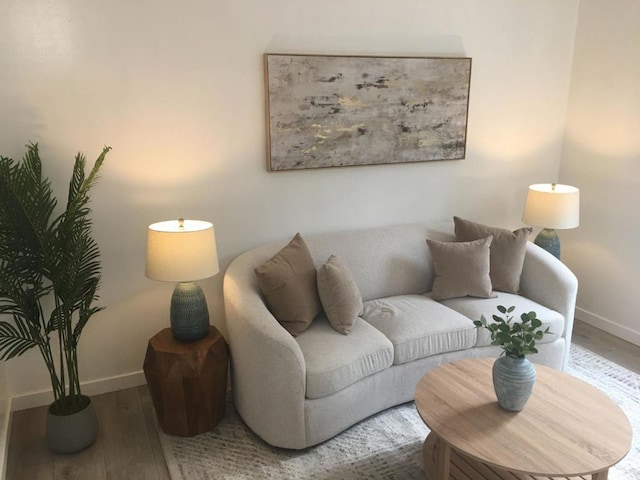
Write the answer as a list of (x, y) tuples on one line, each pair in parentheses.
[(507, 251), (384, 261)]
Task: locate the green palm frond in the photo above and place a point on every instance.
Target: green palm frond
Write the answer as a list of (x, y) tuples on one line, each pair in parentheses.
[(26, 206), (15, 339), (85, 316), (20, 298), (79, 186), (56, 320), (77, 261), (77, 178), (77, 265), (86, 311), (41, 254)]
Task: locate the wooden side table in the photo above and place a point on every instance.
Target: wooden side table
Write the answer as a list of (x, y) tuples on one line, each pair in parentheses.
[(187, 381)]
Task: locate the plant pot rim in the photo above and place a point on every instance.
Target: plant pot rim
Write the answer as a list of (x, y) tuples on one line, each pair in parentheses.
[(85, 403)]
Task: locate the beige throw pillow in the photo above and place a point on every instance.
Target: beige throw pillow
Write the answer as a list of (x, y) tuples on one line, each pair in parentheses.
[(339, 294), (461, 269), (507, 251), (288, 283)]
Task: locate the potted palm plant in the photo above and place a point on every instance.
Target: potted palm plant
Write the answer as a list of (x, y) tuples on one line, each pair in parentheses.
[(513, 374), (49, 278)]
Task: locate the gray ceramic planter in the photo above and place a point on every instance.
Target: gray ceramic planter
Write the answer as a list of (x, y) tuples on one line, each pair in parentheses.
[(72, 433), (513, 380)]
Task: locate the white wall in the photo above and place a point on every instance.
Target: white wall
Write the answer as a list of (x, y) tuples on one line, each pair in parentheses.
[(176, 88), (602, 157)]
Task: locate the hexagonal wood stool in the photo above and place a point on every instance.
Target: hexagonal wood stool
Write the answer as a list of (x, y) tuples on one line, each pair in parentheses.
[(187, 381)]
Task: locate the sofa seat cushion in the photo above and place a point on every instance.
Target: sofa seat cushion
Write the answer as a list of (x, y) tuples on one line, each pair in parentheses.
[(474, 307), (335, 361), (418, 326)]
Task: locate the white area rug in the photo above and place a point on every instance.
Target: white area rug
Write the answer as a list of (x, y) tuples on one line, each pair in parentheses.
[(385, 446)]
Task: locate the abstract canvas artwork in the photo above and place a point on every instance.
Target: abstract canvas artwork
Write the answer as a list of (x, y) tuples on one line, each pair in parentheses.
[(334, 111)]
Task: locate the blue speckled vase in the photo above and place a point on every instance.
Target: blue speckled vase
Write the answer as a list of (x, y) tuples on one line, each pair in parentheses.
[(513, 380), (189, 312), (548, 239)]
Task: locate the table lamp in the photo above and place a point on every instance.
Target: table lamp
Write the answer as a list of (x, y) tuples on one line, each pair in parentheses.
[(183, 251), (551, 206)]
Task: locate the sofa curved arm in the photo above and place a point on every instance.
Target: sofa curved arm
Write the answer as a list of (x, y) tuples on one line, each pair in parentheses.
[(549, 282), (269, 370)]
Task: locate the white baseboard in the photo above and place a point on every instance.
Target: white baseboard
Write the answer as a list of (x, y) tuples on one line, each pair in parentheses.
[(96, 387), (5, 428), (608, 326)]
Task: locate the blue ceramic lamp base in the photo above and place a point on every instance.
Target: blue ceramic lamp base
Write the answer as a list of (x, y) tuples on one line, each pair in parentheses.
[(548, 239), (189, 312)]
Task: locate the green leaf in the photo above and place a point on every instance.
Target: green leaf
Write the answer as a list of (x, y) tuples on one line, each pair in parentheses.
[(504, 337), (14, 340), (26, 206), (517, 339)]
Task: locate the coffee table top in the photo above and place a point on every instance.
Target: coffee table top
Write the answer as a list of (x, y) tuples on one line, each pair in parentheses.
[(568, 427)]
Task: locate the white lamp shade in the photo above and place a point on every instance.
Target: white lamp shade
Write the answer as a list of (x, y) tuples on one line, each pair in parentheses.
[(551, 205), (181, 251)]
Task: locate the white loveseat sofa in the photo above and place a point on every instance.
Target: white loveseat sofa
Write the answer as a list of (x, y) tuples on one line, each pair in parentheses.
[(295, 392)]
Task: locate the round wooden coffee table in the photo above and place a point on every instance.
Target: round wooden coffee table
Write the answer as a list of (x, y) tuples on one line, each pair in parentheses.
[(568, 428)]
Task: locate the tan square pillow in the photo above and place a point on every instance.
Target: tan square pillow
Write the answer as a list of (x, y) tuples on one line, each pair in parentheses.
[(288, 283), (339, 294), (507, 251), (461, 269)]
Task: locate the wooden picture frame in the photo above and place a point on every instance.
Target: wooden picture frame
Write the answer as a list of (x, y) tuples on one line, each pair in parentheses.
[(337, 110)]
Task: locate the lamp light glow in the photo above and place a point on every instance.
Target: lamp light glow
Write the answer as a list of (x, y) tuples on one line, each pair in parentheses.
[(552, 206)]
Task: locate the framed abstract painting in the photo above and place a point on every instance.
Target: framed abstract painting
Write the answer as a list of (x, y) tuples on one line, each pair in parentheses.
[(335, 110)]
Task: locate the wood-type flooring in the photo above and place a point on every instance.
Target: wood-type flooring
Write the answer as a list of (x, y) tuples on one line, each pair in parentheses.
[(129, 448)]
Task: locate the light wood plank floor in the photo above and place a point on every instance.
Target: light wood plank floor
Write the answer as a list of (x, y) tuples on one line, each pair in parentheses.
[(128, 446)]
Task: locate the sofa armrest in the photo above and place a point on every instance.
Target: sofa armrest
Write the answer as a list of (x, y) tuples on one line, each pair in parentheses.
[(267, 365), (549, 282)]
